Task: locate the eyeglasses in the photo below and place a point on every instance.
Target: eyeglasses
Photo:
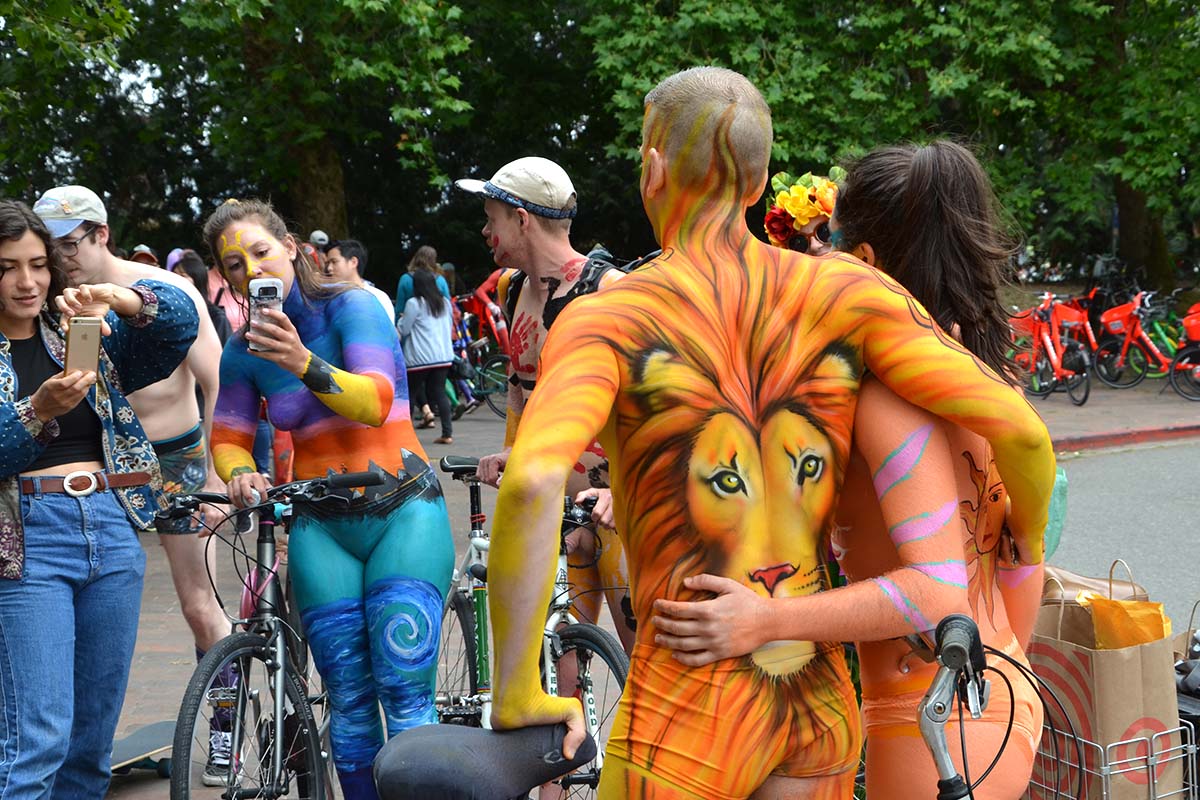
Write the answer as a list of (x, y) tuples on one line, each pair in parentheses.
[(69, 247), (802, 242)]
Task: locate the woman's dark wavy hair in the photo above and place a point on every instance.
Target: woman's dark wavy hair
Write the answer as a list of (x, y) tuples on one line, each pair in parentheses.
[(425, 287), (934, 223), (231, 211), (16, 219)]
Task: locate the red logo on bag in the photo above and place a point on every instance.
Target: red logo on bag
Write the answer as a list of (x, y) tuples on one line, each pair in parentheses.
[(1137, 751)]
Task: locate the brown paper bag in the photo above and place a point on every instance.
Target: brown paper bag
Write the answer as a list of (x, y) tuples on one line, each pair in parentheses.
[(1110, 696)]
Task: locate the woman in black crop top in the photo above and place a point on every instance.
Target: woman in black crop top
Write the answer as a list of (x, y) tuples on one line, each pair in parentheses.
[(77, 478)]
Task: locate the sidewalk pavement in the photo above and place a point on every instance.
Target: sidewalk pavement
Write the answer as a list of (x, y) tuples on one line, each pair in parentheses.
[(1149, 412), (164, 658)]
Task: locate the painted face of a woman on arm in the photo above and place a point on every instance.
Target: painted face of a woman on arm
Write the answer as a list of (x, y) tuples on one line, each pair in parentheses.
[(247, 251)]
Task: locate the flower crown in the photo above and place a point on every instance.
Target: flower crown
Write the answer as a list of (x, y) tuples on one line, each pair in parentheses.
[(798, 201)]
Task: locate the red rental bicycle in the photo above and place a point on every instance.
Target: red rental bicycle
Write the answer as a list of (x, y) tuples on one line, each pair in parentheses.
[(1052, 360), (1185, 369), (1126, 353)]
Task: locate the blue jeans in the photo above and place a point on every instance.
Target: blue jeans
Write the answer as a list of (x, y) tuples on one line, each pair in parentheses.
[(67, 630)]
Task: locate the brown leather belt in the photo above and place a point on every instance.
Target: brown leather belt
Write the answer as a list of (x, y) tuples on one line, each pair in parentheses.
[(81, 484)]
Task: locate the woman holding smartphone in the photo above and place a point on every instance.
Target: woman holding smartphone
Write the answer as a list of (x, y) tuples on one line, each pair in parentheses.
[(370, 576), (78, 478)]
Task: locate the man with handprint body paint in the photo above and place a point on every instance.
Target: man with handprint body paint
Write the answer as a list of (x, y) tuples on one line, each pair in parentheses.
[(721, 380)]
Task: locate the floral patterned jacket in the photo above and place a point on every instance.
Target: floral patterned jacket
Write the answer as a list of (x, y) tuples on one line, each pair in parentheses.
[(141, 351)]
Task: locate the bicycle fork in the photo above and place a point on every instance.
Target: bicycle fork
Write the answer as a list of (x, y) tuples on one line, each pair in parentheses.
[(552, 651)]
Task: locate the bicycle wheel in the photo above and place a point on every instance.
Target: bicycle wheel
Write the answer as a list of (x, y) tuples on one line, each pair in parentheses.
[(458, 678), (492, 381), (601, 670), (1075, 360), (1185, 372), (227, 736), (1112, 371), (1039, 381)]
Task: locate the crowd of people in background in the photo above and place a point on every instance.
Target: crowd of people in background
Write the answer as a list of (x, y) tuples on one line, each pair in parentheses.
[(717, 402)]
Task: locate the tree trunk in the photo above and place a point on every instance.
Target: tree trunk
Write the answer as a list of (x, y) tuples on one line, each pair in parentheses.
[(1141, 242), (317, 197)]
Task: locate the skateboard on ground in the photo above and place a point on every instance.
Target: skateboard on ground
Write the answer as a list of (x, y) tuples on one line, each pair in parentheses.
[(147, 747)]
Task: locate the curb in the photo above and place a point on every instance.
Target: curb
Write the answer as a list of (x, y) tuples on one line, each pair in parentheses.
[(1097, 441)]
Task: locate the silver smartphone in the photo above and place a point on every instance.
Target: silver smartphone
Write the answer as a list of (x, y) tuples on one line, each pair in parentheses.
[(83, 345), (264, 293)]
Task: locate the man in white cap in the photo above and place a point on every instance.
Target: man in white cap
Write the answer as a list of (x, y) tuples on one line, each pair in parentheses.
[(167, 410), (529, 204)]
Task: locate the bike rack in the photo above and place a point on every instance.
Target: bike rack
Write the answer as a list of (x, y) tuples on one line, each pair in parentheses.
[(1163, 764)]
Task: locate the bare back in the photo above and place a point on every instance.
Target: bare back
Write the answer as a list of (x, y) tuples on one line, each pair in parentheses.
[(168, 409)]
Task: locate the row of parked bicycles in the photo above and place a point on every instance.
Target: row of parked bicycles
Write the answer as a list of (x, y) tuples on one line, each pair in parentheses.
[(1121, 337)]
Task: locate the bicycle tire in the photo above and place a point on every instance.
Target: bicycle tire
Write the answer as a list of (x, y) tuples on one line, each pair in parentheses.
[(458, 670), (1075, 359), (1131, 373), (1039, 380), (1185, 373), (599, 684), (305, 762), (493, 383)]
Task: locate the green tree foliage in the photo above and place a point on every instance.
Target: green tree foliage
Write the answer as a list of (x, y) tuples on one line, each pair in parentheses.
[(1064, 101), (352, 115)]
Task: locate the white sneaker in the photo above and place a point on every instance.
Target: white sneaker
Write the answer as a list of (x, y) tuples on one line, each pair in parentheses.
[(220, 748)]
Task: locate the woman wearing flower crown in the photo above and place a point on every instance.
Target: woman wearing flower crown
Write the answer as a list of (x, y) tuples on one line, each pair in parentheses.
[(799, 217)]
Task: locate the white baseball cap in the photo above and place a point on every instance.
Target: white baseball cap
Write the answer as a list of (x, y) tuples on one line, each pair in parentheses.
[(319, 238), (535, 184), (65, 208)]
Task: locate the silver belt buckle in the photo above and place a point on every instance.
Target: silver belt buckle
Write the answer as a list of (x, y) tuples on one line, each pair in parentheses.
[(92, 486)]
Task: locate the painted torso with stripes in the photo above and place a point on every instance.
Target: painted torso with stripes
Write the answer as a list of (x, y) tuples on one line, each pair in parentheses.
[(351, 333)]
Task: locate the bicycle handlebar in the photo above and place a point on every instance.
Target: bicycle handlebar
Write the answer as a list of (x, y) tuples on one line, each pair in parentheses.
[(959, 645), (311, 489)]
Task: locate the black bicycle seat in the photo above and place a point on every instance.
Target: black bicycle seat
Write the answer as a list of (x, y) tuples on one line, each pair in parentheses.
[(459, 465), (452, 762)]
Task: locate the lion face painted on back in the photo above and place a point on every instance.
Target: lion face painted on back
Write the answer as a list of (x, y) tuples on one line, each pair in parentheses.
[(743, 442)]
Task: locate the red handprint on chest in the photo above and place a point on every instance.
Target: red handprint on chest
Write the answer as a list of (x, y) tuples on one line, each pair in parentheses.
[(524, 344)]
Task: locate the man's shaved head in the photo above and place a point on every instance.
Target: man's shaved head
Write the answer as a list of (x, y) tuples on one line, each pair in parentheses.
[(714, 127)]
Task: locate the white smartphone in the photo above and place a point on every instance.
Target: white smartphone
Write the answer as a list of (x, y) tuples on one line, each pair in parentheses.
[(83, 345), (264, 293)]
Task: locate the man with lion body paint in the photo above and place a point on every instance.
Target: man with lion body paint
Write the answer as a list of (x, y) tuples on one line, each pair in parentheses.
[(721, 380)]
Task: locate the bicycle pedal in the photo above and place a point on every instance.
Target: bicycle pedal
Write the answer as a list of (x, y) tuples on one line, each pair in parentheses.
[(222, 697)]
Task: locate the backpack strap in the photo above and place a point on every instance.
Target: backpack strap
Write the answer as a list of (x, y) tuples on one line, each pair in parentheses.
[(588, 282), (512, 293)]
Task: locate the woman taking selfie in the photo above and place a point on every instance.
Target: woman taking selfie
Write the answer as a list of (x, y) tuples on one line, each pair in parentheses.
[(78, 478), (330, 367)]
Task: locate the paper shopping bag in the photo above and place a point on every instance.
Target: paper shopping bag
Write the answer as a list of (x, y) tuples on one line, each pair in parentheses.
[(1121, 700)]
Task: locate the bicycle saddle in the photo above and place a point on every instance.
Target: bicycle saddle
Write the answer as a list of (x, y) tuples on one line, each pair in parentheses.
[(459, 465), (452, 762)]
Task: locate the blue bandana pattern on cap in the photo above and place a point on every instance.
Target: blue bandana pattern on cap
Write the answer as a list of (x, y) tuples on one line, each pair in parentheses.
[(496, 193)]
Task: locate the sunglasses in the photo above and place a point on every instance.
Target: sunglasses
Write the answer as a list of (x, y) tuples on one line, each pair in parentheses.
[(69, 247), (802, 242)]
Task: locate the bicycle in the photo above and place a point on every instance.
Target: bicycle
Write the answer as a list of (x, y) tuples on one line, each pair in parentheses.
[(1052, 360), (463, 693), (1185, 368), (253, 722), (1127, 353), (490, 381)]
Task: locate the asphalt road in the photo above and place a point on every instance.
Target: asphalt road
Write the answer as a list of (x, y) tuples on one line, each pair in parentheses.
[(1140, 504)]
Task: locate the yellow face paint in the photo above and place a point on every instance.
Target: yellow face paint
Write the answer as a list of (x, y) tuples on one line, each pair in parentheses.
[(249, 251)]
